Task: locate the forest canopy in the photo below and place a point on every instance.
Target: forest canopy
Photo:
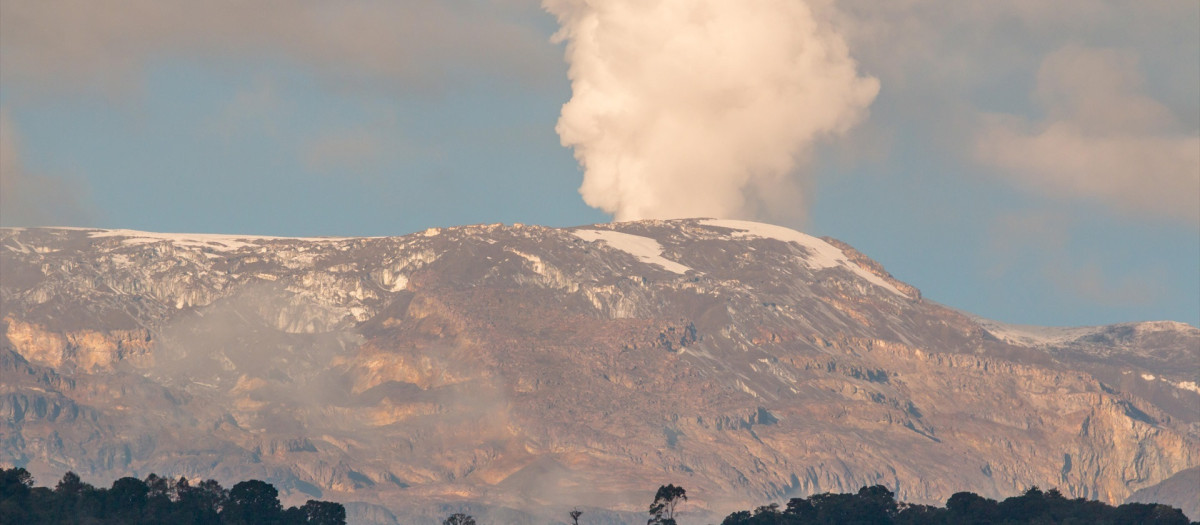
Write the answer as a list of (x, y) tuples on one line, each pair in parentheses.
[(154, 500), (164, 500), (878, 506)]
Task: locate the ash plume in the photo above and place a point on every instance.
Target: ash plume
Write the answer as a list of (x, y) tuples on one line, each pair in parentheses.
[(702, 107)]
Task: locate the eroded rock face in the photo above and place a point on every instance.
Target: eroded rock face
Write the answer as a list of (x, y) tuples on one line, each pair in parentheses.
[(540, 369)]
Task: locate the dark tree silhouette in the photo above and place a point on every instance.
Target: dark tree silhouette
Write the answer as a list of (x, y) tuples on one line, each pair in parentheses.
[(294, 515), (1148, 513), (156, 500), (69, 485), (799, 507), (202, 502), (15, 488), (968, 508), (126, 499), (662, 510), (740, 517), (253, 502), (324, 512), (877, 506), (68, 495), (459, 519)]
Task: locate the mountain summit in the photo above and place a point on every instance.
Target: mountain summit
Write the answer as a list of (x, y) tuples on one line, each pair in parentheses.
[(539, 369)]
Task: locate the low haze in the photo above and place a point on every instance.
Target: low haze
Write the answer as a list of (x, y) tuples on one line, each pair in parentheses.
[(1028, 162)]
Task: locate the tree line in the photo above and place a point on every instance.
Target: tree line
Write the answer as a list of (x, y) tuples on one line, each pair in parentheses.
[(165, 500), (878, 506), (154, 500)]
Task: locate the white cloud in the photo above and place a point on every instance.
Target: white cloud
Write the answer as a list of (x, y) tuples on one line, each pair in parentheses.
[(1101, 139), (702, 107)]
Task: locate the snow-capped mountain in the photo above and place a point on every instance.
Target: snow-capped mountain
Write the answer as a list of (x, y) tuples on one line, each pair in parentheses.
[(530, 369)]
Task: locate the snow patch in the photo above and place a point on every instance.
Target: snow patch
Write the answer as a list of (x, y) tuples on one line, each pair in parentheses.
[(1188, 385), (399, 283), (359, 313), (1145, 327), (210, 241), (645, 249), (394, 276), (551, 276), (1054, 335), (821, 254), (1028, 335)]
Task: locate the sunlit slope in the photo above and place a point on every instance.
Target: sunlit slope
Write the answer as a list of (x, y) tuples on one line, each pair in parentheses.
[(535, 368)]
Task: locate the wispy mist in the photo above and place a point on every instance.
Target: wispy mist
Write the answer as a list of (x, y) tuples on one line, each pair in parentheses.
[(31, 198)]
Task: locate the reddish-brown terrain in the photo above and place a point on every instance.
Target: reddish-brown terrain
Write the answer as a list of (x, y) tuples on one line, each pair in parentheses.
[(518, 370)]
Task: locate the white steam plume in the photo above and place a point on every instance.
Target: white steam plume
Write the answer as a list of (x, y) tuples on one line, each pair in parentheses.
[(686, 108)]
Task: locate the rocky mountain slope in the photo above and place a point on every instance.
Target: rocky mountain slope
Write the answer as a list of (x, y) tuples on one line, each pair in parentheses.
[(1181, 491), (521, 369)]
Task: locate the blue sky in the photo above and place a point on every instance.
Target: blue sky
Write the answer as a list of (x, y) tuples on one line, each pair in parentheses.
[(367, 118)]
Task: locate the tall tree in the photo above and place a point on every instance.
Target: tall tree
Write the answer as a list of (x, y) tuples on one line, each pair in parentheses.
[(324, 513), (253, 502), (15, 488), (201, 502), (662, 510), (69, 485), (459, 519), (126, 499)]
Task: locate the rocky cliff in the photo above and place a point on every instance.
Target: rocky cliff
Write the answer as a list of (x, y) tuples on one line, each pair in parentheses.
[(521, 369)]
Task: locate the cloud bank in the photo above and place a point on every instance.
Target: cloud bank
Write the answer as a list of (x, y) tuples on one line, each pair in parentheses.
[(702, 107), (417, 45), (1101, 139), (1111, 114), (705, 107)]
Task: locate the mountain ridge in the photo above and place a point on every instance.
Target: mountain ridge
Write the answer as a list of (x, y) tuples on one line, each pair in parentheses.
[(572, 364)]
